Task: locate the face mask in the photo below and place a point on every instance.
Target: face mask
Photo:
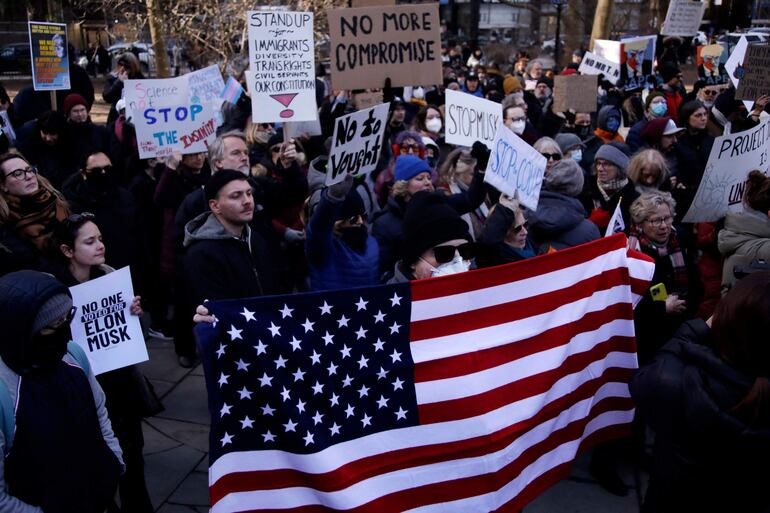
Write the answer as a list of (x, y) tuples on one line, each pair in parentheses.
[(263, 137), (659, 109), (582, 131), (708, 104), (576, 155), (457, 265), (101, 181), (613, 124), (433, 125), (48, 350), (518, 127), (355, 237), (418, 93)]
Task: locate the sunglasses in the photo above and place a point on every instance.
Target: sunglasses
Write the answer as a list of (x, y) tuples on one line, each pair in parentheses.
[(409, 147), (709, 93), (275, 149), (444, 254), (516, 229), (549, 156), (79, 218), (354, 219), (21, 174), (102, 170)]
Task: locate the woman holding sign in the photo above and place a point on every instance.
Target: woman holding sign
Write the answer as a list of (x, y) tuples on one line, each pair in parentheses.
[(80, 254)]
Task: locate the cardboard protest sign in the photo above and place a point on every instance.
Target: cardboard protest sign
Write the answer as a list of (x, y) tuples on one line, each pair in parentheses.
[(281, 74), (754, 74), (575, 92), (683, 18), (515, 168), (366, 100), (369, 44), (593, 64), (103, 325), (636, 58), (470, 119), (370, 3), (48, 49), (356, 143), (168, 117), (711, 65), (294, 129), (732, 157)]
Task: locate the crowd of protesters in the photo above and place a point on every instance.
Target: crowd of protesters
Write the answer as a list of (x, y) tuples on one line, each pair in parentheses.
[(252, 217)]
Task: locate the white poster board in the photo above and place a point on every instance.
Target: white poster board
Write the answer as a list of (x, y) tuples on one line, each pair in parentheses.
[(294, 129), (608, 49), (593, 64), (281, 74), (103, 325), (683, 18), (732, 157), (515, 168), (357, 143), (207, 86), (470, 119), (733, 61)]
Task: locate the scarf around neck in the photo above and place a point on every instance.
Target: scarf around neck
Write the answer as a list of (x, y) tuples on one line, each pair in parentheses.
[(672, 250), (607, 189), (33, 217)]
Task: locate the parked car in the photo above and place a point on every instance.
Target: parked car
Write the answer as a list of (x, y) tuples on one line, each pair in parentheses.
[(145, 53), (15, 58)]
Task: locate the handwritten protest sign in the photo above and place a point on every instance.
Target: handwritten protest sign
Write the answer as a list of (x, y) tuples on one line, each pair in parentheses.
[(48, 49), (281, 76), (575, 92), (593, 64), (683, 18), (356, 143), (370, 3), (731, 159), (470, 119), (168, 117), (103, 325), (515, 168), (369, 44), (636, 57), (754, 74)]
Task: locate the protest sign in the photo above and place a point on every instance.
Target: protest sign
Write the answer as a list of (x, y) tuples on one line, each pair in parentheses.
[(735, 60), (371, 3), (470, 119), (711, 65), (754, 74), (356, 143), (370, 44), (608, 49), (168, 117), (281, 74), (103, 325), (48, 50), (574, 92), (636, 57), (683, 18), (366, 100), (731, 159), (294, 129), (515, 168), (593, 64)]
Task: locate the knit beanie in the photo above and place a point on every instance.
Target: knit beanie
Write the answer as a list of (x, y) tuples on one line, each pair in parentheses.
[(353, 205), (511, 84), (71, 100), (409, 166), (219, 180), (430, 221), (276, 138), (52, 310), (545, 80), (567, 141), (615, 153), (668, 71), (565, 177), (651, 97)]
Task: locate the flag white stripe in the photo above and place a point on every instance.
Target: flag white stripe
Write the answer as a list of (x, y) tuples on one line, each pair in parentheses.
[(641, 270), (383, 484), (513, 291), (415, 436), (489, 379), (505, 333)]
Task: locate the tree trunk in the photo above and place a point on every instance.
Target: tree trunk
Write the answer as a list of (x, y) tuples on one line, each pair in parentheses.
[(573, 31), (158, 39), (602, 21)]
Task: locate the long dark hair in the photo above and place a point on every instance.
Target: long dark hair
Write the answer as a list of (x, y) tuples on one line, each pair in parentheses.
[(66, 232), (687, 110)]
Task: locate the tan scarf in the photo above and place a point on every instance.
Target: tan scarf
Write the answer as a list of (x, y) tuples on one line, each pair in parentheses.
[(34, 217)]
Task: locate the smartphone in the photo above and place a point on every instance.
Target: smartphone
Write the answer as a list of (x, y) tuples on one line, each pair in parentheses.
[(658, 292)]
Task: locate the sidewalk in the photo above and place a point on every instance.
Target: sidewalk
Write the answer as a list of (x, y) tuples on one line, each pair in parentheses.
[(176, 451)]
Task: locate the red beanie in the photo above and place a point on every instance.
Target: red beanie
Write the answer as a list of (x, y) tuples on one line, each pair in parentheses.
[(71, 100)]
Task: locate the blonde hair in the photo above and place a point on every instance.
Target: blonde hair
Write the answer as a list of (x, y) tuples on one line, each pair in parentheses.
[(400, 190), (448, 169), (648, 158), (647, 204)]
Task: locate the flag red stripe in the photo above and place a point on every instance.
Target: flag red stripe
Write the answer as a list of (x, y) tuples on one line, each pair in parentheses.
[(479, 404), (494, 356), (466, 487), (515, 310), (365, 468), (529, 268)]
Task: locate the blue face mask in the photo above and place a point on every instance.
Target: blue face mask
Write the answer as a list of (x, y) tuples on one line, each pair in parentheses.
[(659, 109), (576, 155), (613, 124)]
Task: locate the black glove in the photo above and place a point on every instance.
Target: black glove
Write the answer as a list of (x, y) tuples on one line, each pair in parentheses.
[(481, 153)]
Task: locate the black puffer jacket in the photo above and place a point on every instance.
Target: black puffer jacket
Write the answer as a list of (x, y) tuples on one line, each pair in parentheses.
[(705, 459)]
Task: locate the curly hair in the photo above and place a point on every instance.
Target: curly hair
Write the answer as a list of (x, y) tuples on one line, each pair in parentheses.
[(647, 204)]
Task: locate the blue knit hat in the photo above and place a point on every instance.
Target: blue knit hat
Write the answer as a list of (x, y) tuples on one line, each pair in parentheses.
[(409, 166)]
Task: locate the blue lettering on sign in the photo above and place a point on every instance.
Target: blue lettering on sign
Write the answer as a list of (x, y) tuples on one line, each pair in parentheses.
[(153, 115), (515, 168)]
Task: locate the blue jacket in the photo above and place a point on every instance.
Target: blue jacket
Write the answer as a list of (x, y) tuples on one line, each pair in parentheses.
[(334, 264)]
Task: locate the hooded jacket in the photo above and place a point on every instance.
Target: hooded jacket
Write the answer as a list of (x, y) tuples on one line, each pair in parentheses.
[(745, 237), (560, 221), (705, 459)]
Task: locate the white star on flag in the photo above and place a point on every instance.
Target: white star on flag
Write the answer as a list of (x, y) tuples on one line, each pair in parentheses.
[(379, 317), (326, 308), (265, 380), (335, 400), (290, 426), (267, 410), (280, 362), (234, 333), (223, 379), (260, 347), (394, 328), (248, 315), (400, 414), (342, 321), (307, 325), (245, 393), (225, 410), (366, 421), (308, 438), (286, 311), (335, 429), (220, 351), (361, 333), (242, 365), (382, 402), (361, 305), (268, 437), (227, 439), (275, 330), (395, 300), (246, 422)]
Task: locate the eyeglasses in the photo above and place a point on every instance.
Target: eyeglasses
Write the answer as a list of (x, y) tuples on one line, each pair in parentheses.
[(101, 170), (409, 147), (444, 254), (21, 174), (514, 120), (549, 156), (354, 219), (660, 221), (516, 229)]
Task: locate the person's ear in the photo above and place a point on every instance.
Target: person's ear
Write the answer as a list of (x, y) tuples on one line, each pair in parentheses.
[(67, 251), (214, 206)]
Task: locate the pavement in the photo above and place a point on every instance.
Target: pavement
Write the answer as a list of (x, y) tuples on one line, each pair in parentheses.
[(176, 451)]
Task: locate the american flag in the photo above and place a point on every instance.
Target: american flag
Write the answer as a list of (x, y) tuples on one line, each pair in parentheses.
[(471, 392)]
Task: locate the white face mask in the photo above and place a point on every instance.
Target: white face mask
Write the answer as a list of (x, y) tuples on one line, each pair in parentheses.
[(518, 127), (708, 104), (576, 155), (418, 93), (457, 265), (433, 125)]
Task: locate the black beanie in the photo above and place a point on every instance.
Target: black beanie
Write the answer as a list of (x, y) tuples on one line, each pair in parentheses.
[(352, 206), (219, 180), (429, 221), (276, 138)]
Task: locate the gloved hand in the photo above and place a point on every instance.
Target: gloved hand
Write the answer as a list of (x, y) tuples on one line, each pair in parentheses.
[(294, 236), (339, 190), (481, 153), (388, 95)]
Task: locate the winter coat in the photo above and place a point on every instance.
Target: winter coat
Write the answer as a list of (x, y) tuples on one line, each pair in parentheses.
[(16, 253), (334, 264), (493, 250), (693, 153), (560, 222), (86, 139), (634, 136), (745, 237), (704, 459), (593, 202)]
